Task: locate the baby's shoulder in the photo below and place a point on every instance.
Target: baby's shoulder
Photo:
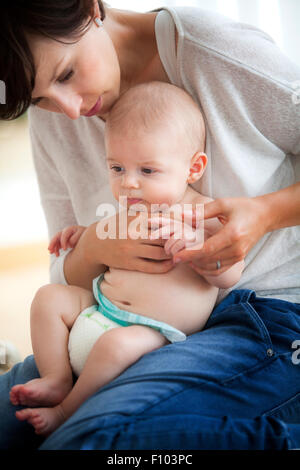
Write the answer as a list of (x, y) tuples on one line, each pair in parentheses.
[(198, 198), (194, 197), (213, 225)]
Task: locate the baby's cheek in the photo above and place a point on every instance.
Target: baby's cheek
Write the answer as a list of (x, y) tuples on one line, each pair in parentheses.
[(163, 194), (115, 189), (171, 195)]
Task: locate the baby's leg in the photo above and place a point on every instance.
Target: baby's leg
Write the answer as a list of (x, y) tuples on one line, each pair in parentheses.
[(53, 311), (114, 352)]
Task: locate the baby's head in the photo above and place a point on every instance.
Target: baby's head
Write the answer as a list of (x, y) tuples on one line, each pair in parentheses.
[(155, 139)]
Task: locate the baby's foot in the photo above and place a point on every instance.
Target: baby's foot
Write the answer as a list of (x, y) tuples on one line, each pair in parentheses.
[(44, 420), (47, 391)]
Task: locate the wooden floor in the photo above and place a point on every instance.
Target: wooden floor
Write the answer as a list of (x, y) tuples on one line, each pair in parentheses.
[(23, 267), (23, 270)]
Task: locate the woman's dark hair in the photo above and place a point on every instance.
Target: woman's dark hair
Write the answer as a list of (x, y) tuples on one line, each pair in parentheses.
[(55, 19)]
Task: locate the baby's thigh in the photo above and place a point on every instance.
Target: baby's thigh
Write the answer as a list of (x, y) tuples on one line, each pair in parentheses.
[(66, 302), (130, 343)]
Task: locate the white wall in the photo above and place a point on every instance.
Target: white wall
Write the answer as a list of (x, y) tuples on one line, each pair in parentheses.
[(22, 218), (279, 18)]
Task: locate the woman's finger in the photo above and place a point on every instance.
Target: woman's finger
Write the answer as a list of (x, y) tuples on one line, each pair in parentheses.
[(220, 241), (210, 210), (153, 267), (215, 270), (225, 257), (152, 252), (148, 242), (219, 208)]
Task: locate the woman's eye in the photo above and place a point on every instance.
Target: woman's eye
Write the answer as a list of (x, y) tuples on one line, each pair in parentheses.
[(66, 77)]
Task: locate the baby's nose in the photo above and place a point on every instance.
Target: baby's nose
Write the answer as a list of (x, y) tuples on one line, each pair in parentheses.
[(130, 181)]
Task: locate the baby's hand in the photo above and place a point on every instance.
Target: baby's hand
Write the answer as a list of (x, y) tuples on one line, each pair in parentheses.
[(65, 239), (179, 235), (174, 245)]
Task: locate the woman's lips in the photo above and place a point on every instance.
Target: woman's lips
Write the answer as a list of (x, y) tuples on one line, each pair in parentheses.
[(95, 108)]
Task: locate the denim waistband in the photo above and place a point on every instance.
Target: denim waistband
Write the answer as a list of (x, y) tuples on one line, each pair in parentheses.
[(239, 296)]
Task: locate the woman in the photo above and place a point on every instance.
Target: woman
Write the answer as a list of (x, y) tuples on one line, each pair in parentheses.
[(235, 384)]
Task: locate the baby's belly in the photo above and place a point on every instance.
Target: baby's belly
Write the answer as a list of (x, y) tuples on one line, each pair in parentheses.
[(180, 297)]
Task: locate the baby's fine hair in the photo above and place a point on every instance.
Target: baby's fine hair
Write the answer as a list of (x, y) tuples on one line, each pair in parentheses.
[(159, 105)]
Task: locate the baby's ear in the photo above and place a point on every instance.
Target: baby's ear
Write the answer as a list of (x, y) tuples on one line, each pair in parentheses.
[(197, 167)]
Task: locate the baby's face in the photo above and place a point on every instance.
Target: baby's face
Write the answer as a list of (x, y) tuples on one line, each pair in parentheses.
[(147, 168)]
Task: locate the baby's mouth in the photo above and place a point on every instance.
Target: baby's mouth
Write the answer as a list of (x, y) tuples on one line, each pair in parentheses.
[(131, 200)]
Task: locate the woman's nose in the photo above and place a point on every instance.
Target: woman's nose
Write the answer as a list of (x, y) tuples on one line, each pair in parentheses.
[(69, 104)]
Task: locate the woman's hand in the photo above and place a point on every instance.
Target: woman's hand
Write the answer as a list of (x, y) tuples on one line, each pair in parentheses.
[(138, 254), (92, 255), (244, 220)]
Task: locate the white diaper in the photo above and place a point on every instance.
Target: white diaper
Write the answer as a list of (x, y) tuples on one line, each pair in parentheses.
[(101, 317), (87, 328)]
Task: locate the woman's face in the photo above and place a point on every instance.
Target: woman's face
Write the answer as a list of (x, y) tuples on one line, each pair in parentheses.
[(70, 78)]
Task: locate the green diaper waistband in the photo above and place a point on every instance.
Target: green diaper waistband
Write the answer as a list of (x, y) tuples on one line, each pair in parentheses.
[(125, 318)]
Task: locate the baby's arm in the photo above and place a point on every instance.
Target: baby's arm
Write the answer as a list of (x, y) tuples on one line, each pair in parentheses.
[(66, 238)]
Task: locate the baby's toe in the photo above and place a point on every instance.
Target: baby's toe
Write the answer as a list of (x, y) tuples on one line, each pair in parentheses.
[(24, 415), (14, 395)]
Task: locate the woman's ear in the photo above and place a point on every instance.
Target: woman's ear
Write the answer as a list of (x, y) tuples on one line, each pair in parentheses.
[(97, 13), (197, 167)]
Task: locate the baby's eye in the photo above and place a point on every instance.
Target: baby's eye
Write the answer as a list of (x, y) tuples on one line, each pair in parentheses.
[(148, 171), (116, 168)]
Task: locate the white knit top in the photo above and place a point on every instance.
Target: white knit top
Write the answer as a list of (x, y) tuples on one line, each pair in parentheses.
[(244, 86)]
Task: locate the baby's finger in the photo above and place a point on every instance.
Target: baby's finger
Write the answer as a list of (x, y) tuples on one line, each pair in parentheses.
[(170, 228), (168, 245), (177, 246), (163, 232), (74, 238), (52, 247), (57, 248), (53, 241), (54, 250), (156, 221), (65, 236)]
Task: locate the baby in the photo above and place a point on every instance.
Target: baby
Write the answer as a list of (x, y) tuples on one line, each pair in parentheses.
[(155, 138)]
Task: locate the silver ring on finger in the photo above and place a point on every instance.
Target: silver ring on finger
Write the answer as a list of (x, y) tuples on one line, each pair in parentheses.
[(218, 264)]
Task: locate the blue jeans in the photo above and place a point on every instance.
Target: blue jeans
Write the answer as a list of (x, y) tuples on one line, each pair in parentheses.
[(234, 385)]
